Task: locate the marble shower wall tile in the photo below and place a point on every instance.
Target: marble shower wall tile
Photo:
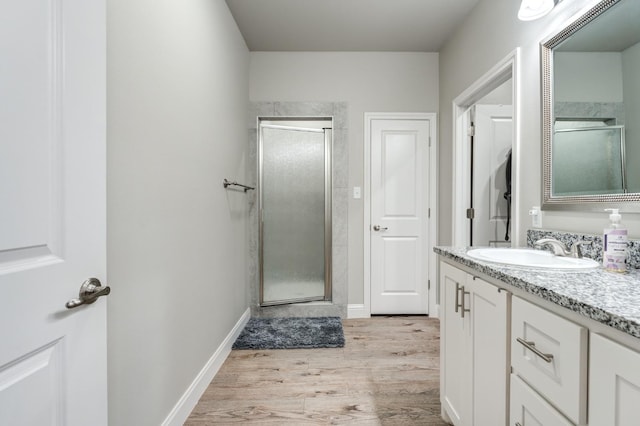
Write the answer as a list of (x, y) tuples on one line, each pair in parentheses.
[(259, 109), (340, 274), (593, 252), (340, 161), (303, 109), (590, 110), (340, 115), (252, 153), (339, 215)]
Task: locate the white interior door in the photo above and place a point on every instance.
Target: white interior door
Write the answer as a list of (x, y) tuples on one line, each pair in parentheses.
[(52, 211), (399, 216), (491, 144)]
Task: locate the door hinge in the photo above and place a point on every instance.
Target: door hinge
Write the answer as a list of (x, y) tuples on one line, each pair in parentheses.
[(429, 212), (470, 213), (428, 284), (471, 131), (429, 141)]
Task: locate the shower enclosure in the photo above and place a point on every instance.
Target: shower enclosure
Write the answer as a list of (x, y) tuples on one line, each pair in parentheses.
[(294, 161)]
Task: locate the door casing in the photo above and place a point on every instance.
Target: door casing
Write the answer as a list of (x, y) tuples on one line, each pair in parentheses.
[(509, 67)]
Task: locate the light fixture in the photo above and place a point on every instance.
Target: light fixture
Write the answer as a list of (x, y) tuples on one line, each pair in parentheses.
[(534, 9)]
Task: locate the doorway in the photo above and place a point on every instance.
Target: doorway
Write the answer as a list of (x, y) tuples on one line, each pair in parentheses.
[(503, 73), (294, 160)]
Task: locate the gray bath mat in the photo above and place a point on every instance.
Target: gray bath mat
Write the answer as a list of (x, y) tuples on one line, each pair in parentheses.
[(291, 333)]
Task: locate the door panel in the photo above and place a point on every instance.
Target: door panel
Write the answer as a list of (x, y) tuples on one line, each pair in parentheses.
[(401, 265), (455, 388), (30, 172), (399, 203), (489, 349), (52, 211), (35, 377), (491, 145), (614, 383), (399, 177)]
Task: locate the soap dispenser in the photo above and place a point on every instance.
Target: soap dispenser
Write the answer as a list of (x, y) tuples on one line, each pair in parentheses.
[(614, 255)]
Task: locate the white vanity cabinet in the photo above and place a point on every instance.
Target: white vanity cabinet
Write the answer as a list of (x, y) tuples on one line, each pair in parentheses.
[(474, 349), (522, 355), (614, 383)]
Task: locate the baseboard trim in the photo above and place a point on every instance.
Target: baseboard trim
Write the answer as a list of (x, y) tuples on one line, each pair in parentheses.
[(192, 395), (357, 311), (436, 312)]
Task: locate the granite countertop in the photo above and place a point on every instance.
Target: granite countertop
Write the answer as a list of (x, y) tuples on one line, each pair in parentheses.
[(610, 298)]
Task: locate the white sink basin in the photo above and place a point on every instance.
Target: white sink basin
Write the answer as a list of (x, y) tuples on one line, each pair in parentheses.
[(530, 258)]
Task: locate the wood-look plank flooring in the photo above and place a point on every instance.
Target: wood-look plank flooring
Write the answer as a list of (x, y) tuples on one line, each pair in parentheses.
[(387, 374)]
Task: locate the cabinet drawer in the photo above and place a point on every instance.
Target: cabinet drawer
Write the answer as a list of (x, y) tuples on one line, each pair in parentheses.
[(529, 408), (550, 354)]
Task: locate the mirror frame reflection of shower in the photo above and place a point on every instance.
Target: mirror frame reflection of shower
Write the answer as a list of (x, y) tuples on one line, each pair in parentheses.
[(294, 209)]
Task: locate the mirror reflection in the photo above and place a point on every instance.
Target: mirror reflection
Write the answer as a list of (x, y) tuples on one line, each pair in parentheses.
[(594, 127)]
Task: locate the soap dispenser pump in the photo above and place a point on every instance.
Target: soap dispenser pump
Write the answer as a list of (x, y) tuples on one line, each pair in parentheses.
[(614, 255)]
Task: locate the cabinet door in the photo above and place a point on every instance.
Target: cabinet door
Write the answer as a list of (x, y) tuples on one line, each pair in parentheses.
[(530, 409), (614, 384), (455, 390), (489, 349)]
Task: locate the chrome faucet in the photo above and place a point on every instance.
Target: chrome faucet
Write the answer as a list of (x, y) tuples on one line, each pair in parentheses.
[(560, 249)]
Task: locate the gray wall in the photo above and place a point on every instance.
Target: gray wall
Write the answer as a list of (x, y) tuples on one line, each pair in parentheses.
[(177, 105), (488, 35), (368, 82)]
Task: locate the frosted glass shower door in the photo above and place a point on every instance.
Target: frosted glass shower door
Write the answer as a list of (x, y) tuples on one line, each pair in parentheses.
[(294, 210), (588, 161)]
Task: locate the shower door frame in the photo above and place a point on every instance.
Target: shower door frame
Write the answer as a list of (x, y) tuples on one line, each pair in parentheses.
[(328, 186)]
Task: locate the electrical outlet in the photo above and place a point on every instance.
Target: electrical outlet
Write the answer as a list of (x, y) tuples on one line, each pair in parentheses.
[(536, 217), (357, 193)]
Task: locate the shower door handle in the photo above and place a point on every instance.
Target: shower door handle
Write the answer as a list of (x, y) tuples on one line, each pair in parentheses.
[(379, 228)]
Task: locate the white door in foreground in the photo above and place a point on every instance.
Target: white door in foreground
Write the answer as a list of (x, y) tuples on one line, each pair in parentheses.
[(52, 212)]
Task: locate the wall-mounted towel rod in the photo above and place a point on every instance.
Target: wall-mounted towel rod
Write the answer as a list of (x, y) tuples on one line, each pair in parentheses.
[(227, 183)]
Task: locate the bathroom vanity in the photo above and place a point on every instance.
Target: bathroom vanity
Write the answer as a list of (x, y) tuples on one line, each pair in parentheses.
[(523, 346)]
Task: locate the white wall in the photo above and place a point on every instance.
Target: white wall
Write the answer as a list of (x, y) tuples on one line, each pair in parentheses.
[(489, 34), (369, 82), (177, 105)]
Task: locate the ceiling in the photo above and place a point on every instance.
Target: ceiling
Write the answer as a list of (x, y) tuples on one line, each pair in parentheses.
[(348, 25)]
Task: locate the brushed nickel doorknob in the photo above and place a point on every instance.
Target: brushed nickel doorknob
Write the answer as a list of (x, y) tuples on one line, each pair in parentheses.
[(90, 290)]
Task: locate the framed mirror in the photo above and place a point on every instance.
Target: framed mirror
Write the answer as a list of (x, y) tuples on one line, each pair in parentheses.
[(591, 110)]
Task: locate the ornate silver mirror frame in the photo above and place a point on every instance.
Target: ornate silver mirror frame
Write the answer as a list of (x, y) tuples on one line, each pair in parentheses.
[(628, 201)]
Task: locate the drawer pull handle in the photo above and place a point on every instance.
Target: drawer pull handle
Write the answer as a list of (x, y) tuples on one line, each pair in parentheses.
[(463, 310), (518, 424), (532, 347)]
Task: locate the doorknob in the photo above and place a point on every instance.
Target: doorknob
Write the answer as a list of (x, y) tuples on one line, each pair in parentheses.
[(90, 290), (379, 228)]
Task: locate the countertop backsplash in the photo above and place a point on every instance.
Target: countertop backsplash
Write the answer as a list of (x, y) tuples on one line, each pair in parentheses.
[(593, 252)]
